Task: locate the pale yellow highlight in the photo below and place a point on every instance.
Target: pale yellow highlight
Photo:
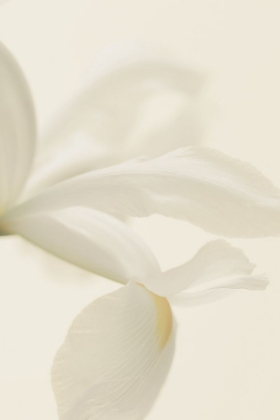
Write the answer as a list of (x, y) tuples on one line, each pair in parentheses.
[(165, 318)]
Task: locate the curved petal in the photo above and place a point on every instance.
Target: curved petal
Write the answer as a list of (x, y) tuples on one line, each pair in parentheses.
[(136, 102), (115, 357), (92, 240), (214, 272), (215, 260), (253, 282), (17, 129), (222, 195)]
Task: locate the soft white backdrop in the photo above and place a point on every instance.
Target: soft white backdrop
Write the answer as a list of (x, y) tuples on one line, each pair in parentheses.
[(227, 362)]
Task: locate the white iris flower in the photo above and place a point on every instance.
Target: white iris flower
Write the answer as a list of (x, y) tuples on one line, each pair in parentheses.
[(105, 111), (73, 218), (118, 351)]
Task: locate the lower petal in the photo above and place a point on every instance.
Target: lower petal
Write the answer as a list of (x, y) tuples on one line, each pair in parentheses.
[(115, 358)]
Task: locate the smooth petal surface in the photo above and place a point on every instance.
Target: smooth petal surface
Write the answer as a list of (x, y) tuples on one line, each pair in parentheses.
[(223, 288), (17, 129), (215, 260), (137, 101), (222, 195), (214, 272), (92, 240), (115, 358)]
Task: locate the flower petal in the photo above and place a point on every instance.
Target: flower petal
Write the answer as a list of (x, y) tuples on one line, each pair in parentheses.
[(222, 195), (92, 240), (136, 102), (17, 129), (218, 269), (253, 282), (115, 357), (215, 260)]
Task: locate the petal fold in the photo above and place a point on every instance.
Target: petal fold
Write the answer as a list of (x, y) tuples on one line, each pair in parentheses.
[(220, 194), (17, 129), (115, 358)]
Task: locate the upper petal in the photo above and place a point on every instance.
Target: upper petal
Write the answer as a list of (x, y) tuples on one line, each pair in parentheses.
[(115, 358), (220, 194), (136, 102), (17, 129), (90, 239)]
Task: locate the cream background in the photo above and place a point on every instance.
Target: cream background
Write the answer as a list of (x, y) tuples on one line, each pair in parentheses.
[(227, 363)]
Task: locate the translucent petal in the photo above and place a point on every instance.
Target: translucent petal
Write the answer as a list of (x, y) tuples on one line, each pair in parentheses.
[(224, 288), (215, 260), (136, 101)]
